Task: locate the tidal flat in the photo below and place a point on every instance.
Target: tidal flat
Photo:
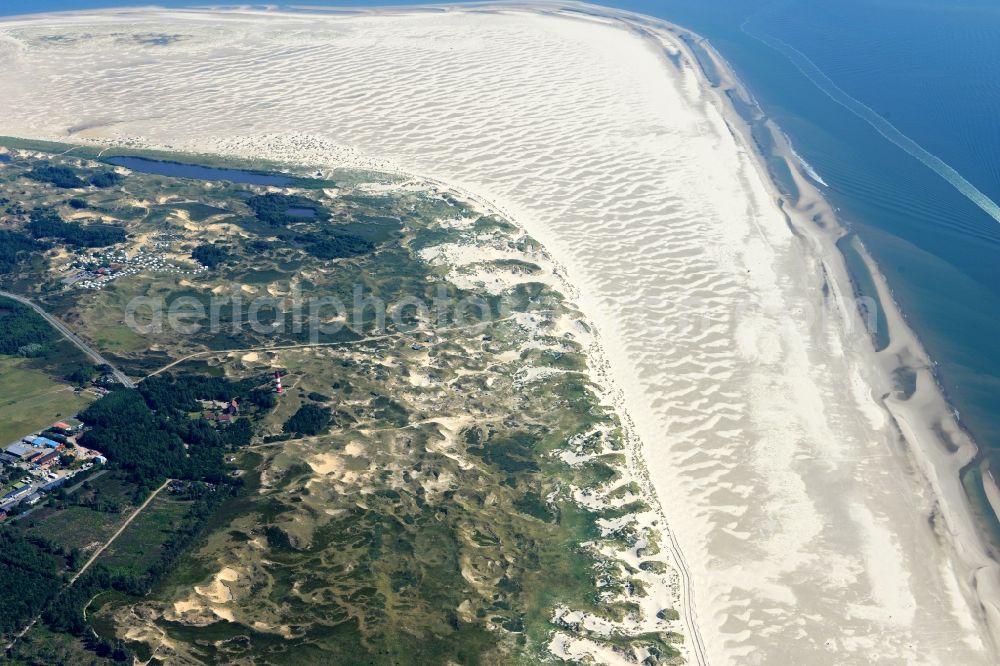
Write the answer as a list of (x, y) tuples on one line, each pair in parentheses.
[(815, 509)]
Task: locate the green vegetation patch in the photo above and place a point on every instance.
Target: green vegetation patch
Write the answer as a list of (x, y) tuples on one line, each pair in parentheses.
[(15, 248), (334, 244), (142, 544), (21, 327), (33, 360), (278, 210), (60, 176), (29, 579), (149, 433), (308, 420), (209, 255), (46, 223), (103, 179)]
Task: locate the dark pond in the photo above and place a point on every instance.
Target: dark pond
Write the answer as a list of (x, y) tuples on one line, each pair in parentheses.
[(178, 170)]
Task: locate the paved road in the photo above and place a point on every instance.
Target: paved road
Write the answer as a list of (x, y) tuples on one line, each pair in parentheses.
[(73, 337)]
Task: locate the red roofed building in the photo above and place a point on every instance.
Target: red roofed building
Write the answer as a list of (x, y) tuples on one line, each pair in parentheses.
[(47, 459)]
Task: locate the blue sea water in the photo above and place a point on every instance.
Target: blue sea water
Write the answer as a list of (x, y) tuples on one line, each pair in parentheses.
[(896, 105)]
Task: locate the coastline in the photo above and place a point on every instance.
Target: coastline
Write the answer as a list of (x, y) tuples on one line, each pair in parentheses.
[(941, 447), (913, 416), (610, 392), (926, 421)]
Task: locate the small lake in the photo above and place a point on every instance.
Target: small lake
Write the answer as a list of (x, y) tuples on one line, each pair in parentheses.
[(179, 170), (4, 158), (308, 213)]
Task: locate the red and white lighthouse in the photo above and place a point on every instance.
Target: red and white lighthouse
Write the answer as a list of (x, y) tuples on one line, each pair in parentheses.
[(277, 382)]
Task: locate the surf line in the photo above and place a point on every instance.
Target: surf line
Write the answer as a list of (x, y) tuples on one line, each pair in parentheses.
[(880, 124)]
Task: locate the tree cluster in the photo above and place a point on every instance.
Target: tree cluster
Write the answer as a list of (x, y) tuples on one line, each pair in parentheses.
[(181, 393), (15, 247), (105, 179), (21, 326), (46, 223), (82, 375), (272, 209), (66, 178), (309, 419), (209, 255), (60, 176), (150, 434), (29, 578), (333, 244)]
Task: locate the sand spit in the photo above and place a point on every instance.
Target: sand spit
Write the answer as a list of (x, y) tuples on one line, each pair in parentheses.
[(814, 520)]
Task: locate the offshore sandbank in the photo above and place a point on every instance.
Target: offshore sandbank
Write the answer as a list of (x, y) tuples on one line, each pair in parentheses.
[(818, 509)]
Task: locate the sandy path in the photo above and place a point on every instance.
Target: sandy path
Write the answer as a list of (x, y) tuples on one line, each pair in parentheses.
[(93, 558), (310, 345), (118, 533)]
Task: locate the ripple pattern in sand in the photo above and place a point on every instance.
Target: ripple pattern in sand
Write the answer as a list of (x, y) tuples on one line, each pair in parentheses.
[(807, 539)]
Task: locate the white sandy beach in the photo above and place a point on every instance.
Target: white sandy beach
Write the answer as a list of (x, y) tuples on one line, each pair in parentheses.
[(812, 531)]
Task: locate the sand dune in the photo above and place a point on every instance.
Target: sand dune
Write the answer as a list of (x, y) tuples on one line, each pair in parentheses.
[(802, 520)]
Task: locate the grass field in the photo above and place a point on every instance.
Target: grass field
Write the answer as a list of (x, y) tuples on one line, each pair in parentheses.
[(41, 645), (81, 526), (32, 400), (140, 544), (75, 526)]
